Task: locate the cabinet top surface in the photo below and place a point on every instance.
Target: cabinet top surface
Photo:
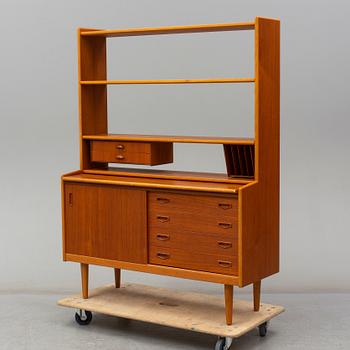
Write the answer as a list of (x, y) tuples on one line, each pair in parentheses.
[(166, 184)]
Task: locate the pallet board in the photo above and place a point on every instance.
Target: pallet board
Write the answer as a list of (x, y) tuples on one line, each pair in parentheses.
[(186, 310)]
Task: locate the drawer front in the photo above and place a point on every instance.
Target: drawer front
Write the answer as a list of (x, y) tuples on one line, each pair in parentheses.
[(193, 261), (192, 213), (121, 152), (147, 153), (200, 242), (208, 205)]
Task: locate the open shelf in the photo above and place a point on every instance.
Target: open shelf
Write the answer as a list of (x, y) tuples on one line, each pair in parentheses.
[(169, 81), (167, 174), (171, 138), (200, 28)]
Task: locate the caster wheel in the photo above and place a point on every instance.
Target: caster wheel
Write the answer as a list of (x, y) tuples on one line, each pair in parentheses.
[(223, 343), (83, 320), (263, 329)]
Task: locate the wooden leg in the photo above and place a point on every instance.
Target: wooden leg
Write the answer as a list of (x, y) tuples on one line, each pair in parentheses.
[(228, 303), (117, 278), (256, 293), (84, 269)]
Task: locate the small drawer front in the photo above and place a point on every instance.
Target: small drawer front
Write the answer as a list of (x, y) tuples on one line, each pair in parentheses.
[(194, 204), (193, 261), (146, 153), (201, 242)]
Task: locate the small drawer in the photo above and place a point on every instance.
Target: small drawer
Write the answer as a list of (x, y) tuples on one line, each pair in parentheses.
[(146, 153), (178, 221), (204, 243), (193, 261)]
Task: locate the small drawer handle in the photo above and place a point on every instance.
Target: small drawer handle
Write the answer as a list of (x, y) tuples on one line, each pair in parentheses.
[(163, 256), (224, 263), (120, 147), (120, 157), (163, 236), (163, 200), (163, 218), (225, 206), (225, 225), (225, 245)]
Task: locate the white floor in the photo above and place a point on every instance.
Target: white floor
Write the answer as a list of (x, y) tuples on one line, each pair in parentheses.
[(311, 322)]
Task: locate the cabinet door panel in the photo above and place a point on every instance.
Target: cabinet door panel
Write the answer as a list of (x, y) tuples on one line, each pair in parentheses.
[(106, 222)]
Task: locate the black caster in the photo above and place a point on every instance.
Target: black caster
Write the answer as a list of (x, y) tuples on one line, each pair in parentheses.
[(223, 343), (263, 329), (81, 319)]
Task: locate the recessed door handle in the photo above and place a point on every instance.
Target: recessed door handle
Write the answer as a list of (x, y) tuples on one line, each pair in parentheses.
[(163, 218), (120, 147), (225, 225), (225, 245), (163, 256), (70, 199), (119, 157), (163, 236), (224, 263)]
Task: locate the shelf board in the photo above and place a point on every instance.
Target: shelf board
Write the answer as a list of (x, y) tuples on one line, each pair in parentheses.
[(168, 174), (171, 138), (169, 81), (199, 28), (166, 184)]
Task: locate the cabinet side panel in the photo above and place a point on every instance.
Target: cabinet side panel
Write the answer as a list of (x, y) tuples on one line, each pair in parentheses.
[(259, 204)]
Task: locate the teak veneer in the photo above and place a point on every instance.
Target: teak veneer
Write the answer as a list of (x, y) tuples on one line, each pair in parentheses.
[(221, 228)]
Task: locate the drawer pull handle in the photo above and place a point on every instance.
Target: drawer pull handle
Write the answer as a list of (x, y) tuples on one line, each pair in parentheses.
[(225, 245), (163, 200), (225, 225), (163, 237), (162, 218), (120, 147), (120, 157), (225, 206), (224, 263), (163, 256)]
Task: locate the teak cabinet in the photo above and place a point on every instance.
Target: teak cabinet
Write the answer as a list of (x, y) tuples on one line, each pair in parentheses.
[(221, 228)]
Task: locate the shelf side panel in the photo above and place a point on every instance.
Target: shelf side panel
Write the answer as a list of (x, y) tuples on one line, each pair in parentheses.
[(259, 205), (92, 65)]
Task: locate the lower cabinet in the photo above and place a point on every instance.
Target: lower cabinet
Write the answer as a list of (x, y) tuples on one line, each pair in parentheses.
[(106, 222), (193, 231)]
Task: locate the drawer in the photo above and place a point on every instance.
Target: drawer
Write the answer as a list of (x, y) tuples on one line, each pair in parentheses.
[(214, 206), (147, 153), (205, 243), (193, 261)]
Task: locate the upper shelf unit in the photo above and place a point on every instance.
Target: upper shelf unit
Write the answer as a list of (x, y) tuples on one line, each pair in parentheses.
[(200, 28)]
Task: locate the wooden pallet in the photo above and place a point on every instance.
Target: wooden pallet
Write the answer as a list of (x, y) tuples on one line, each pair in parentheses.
[(192, 311)]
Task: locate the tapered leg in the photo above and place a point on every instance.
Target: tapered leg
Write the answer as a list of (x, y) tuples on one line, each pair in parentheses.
[(228, 303), (256, 293), (117, 278), (84, 269)]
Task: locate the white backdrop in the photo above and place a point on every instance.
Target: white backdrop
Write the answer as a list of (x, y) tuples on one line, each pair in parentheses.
[(39, 131)]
